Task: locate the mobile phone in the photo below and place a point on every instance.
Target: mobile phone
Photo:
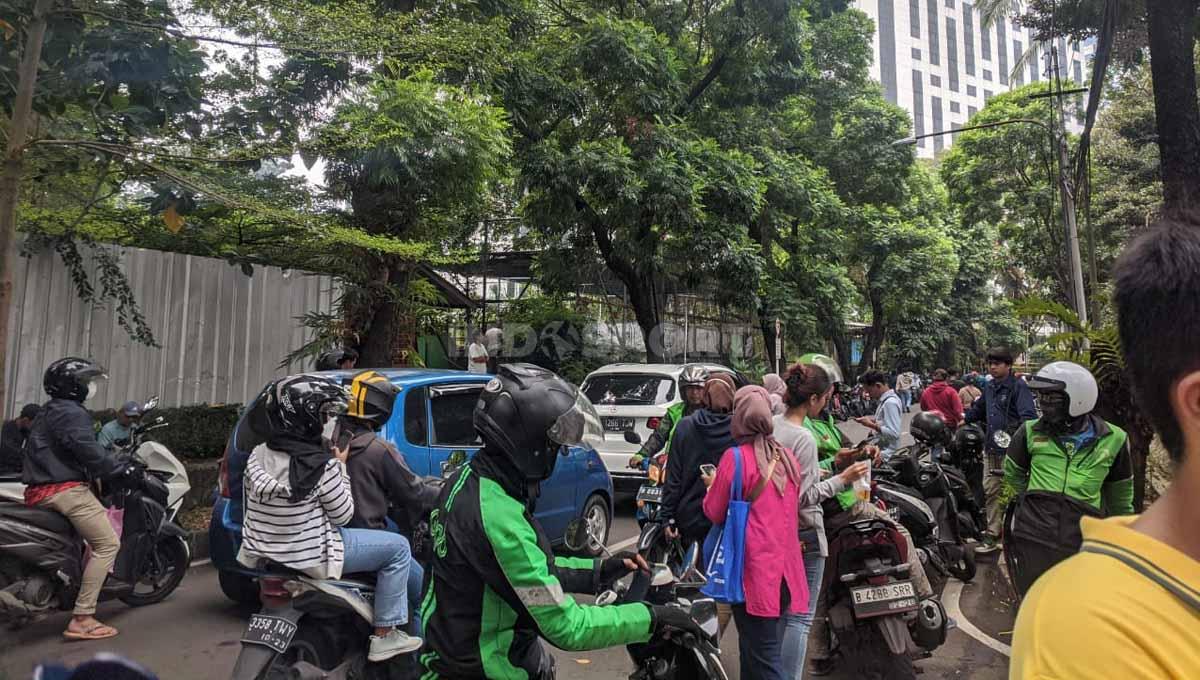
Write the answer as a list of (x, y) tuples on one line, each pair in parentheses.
[(708, 470)]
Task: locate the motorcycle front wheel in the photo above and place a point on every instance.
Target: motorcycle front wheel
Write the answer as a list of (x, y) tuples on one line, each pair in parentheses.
[(160, 574)]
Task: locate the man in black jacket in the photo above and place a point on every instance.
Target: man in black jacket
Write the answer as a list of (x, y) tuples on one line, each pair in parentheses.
[(700, 439), (12, 439), (61, 457)]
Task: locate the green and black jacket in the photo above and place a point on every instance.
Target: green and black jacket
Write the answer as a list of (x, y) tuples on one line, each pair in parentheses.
[(1099, 474), (495, 586)]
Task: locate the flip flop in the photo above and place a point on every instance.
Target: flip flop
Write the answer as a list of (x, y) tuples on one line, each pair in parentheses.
[(99, 631)]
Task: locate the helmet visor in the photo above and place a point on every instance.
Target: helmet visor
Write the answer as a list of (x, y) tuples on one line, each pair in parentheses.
[(580, 424), (93, 381)]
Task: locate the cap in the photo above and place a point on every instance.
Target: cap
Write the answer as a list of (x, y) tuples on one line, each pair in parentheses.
[(132, 409)]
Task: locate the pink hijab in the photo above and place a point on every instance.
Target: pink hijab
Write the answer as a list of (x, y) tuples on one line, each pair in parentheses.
[(752, 424), (776, 389)]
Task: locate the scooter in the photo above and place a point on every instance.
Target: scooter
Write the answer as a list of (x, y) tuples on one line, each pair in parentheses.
[(876, 620), (42, 557), (676, 583)]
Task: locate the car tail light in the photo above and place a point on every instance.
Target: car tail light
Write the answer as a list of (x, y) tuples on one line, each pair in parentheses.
[(877, 580), (273, 592), (652, 423), (223, 477)]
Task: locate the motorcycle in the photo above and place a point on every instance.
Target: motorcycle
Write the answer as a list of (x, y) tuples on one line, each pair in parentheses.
[(42, 557), (674, 582), (649, 495), (876, 620)]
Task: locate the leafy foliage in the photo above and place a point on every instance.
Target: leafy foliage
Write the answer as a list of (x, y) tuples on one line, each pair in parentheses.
[(196, 432)]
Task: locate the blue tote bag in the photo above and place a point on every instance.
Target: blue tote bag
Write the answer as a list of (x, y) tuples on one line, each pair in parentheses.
[(725, 546)]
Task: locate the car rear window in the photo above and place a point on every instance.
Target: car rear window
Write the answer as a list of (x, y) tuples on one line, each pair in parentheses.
[(629, 389)]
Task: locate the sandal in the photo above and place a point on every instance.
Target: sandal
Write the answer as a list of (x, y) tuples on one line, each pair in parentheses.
[(99, 631)]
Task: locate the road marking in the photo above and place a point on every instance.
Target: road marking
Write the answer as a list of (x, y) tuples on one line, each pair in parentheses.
[(950, 597), (623, 544), (200, 563)]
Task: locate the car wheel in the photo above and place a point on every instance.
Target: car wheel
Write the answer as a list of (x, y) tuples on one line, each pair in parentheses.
[(238, 587), (595, 514)]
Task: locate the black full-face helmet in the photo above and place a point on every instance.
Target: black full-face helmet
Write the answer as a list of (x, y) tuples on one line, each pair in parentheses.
[(928, 427), (72, 378), (531, 416), (372, 397), (298, 406)]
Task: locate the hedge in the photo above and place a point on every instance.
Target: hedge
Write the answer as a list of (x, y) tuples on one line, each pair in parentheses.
[(199, 431)]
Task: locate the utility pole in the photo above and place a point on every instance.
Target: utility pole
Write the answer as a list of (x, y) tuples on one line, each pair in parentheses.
[(1066, 187)]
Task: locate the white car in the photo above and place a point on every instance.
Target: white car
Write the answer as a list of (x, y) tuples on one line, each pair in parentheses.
[(634, 398)]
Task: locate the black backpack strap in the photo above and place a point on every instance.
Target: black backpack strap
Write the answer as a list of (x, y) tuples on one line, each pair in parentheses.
[(1186, 594)]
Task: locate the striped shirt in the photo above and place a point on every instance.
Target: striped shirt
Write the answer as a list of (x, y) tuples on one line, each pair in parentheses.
[(303, 536)]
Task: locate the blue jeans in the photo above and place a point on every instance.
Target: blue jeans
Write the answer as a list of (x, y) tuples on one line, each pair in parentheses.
[(905, 398), (388, 555), (760, 640), (795, 635)]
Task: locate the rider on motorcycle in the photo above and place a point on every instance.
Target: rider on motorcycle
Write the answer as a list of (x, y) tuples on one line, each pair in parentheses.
[(380, 479), (496, 587), (61, 457), (1071, 462), (692, 380)]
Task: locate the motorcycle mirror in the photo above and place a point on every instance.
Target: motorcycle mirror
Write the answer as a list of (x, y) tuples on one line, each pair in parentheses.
[(632, 437), (1002, 439), (661, 575), (151, 403), (606, 598), (689, 560), (579, 536)]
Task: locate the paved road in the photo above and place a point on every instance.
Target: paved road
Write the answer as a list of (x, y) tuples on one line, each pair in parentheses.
[(194, 634)]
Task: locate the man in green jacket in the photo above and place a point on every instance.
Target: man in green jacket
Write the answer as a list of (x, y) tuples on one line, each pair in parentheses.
[(691, 383), (495, 585), (1065, 465)]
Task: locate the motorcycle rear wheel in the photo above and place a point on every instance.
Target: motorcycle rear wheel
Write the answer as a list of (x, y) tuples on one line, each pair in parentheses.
[(163, 570), (312, 644), (867, 656)]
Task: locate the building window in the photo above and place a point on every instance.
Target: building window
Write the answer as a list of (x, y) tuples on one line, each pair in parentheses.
[(1018, 50), (985, 36), (950, 4), (936, 103), (933, 47), (987, 75), (954, 108), (914, 18), (987, 95), (916, 54), (935, 81), (971, 111), (969, 39), (971, 91), (887, 49), (1002, 51), (952, 53), (1078, 72), (918, 107)]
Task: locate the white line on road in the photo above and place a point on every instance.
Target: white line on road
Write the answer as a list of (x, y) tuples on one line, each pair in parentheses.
[(950, 601), (621, 545), (200, 563)]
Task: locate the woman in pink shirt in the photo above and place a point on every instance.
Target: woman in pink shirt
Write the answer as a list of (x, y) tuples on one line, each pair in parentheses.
[(773, 576)]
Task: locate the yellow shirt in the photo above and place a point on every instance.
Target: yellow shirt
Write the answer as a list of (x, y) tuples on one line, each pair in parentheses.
[(1093, 616)]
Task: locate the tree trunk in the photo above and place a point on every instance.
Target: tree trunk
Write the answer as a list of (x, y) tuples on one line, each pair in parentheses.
[(874, 339), (648, 312), (10, 178), (388, 338), (767, 325), (1172, 33)]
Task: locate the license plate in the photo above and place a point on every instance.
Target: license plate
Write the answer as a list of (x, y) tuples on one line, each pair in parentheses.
[(615, 424), (270, 631), (892, 598), (650, 494)]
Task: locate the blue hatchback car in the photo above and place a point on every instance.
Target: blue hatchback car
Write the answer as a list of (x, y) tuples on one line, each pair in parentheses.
[(431, 421)]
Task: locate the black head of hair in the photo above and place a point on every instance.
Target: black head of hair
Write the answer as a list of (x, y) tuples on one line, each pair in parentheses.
[(873, 378), (1157, 296)]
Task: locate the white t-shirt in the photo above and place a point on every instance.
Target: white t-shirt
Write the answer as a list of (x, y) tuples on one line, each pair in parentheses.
[(474, 352)]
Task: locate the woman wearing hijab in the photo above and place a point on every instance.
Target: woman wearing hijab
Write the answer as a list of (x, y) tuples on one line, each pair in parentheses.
[(773, 578), (777, 389), (700, 439)]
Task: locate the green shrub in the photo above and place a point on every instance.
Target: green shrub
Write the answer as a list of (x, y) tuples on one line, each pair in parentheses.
[(198, 431)]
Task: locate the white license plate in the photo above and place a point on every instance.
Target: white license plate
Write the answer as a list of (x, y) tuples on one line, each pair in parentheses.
[(617, 423), (899, 596)]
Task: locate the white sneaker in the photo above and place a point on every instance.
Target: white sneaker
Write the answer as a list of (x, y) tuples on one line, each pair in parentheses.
[(392, 644)]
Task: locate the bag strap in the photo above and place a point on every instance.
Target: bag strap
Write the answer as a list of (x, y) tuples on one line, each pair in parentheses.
[(735, 486), (1188, 598), (762, 483)]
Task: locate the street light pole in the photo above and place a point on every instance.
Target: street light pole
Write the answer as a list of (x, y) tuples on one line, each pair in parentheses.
[(1066, 190)]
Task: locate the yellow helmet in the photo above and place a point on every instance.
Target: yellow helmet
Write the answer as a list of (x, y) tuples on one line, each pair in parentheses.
[(372, 397)]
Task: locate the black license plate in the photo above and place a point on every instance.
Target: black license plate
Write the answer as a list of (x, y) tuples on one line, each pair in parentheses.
[(270, 631), (891, 598), (650, 494), (617, 424)]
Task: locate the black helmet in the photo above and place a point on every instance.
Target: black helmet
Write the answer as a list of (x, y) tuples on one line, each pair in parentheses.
[(372, 397), (72, 378), (529, 414), (298, 406), (693, 375), (332, 360), (928, 427)]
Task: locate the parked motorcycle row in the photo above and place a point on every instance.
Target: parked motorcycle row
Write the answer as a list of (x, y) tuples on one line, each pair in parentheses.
[(42, 557)]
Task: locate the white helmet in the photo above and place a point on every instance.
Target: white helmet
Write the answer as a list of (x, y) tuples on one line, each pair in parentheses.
[(1075, 380)]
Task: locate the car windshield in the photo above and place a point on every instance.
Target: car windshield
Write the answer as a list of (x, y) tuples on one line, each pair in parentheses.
[(626, 389)]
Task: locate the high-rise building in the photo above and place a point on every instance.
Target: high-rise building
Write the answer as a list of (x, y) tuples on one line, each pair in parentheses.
[(937, 61)]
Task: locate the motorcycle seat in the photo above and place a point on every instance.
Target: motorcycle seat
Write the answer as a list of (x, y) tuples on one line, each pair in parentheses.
[(366, 578), (39, 517)]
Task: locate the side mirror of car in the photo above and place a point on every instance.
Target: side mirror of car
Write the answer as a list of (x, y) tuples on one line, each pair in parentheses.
[(456, 460), (632, 437)]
